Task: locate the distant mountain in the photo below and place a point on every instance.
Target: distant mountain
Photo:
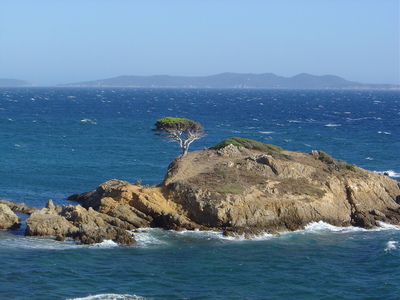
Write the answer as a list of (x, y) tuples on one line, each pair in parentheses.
[(232, 80), (6, 82)]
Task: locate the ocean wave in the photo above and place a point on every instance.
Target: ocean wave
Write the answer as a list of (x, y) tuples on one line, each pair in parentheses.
[(11, 241), (332, 125), (386, 226), (110, 297), (389, 173), (384, 132), (148, 237), (391, 245), (105, 244), (90, 121)]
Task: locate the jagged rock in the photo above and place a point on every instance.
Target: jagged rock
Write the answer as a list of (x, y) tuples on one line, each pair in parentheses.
[(8, 219), (242, 191), (88, 226), (47, 222), (246, 191), (137, 205), (90, 235), (19, 207)]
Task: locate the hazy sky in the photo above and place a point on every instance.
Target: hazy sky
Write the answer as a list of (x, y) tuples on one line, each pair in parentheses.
[(63, 41)]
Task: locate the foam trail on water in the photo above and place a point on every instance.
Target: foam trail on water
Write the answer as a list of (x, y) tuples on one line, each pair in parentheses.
[(110, 297)]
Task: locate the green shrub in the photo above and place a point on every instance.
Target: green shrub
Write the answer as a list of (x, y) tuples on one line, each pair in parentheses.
[(247, 143), (314, 191), (230, 189), (325, 157), (335, 164)]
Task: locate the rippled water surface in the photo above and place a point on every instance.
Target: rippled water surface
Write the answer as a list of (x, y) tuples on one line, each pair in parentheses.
[(57, 141)]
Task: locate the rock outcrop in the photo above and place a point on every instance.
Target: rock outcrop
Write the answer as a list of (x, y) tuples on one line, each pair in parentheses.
[(8, 219), (19, 207), (243, 190), (248, 191), (79, 223)]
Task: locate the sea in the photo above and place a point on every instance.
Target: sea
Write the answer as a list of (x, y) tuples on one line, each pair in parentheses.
[(57, 141)]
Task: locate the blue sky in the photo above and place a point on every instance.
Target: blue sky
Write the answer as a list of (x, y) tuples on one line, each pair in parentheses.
[(63, 41)]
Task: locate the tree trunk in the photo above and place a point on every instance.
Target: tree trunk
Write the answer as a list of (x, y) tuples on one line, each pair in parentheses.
[(185, 151)]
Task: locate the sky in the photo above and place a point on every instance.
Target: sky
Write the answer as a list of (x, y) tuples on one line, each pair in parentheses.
[(49, 42)]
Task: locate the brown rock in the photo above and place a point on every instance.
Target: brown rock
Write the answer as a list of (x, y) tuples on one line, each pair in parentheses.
[(47, 222), (19, 207), (8, 219)]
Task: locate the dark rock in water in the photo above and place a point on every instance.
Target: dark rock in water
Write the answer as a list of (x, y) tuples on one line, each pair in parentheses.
[(98, 235), (243, 232)]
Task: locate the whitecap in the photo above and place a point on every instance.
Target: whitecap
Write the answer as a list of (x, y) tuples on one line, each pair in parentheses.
[(384, 132), (369, 158), (105, 244), (243, 237), (110, 297), (321, 227), (386, 226), (391, 245), (88, 121), (147, 237), (332, 125), (266, 132), (389, 173)]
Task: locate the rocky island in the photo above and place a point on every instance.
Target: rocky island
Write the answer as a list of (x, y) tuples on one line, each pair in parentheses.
[(241, 187)]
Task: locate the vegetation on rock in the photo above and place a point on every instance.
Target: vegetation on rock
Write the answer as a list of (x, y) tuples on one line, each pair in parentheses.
[(246, 143), (181, 130)]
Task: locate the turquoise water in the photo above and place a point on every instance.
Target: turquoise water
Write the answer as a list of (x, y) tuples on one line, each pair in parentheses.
[(56, 142)]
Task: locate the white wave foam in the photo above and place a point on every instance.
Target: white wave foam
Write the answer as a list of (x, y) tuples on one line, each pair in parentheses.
[(384, 132), (44, 243), (105, 244), (238, 238), (320, 226), (389, 173), (110, 297), (386, 226), (148, 237), (88, 121), (391, 245), (266, 132), (332, 125)]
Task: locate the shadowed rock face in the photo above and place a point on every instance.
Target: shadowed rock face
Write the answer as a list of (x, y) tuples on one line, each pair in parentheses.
[(239, 190)]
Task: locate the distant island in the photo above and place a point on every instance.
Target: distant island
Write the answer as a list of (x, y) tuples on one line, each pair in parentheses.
[(8, 82), (224, 80), (233, 80)]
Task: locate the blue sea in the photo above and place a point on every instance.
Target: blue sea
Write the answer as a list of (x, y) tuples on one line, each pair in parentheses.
[(60, 141)]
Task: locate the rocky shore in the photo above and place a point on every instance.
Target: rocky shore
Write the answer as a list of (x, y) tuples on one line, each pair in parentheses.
[(242, 188)]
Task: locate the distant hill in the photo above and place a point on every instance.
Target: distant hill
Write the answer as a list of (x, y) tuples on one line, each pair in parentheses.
[(7, 82), (232, 80)]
